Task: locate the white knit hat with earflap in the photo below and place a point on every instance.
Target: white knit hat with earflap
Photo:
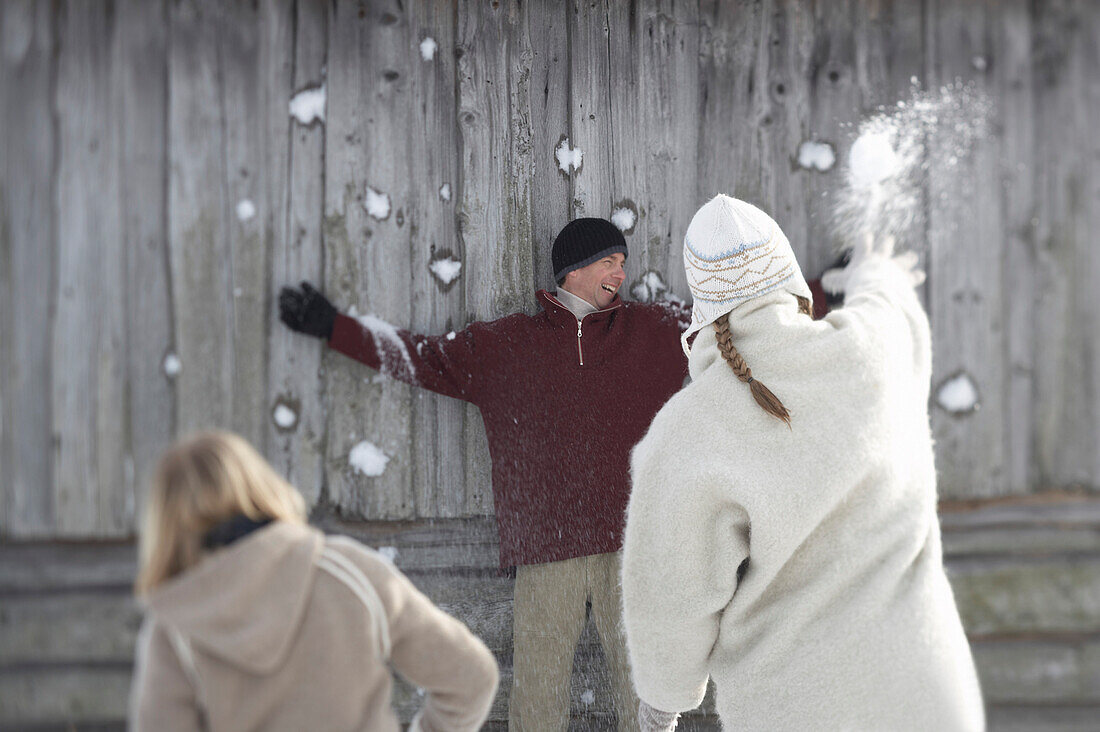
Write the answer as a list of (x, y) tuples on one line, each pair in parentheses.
[(734, 252)]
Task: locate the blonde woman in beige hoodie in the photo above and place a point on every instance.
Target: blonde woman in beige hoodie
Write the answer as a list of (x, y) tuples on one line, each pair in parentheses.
[(257, 621)]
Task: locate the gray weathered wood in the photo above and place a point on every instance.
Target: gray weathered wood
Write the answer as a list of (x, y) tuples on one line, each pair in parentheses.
[(28, 263), (93, 491), (590, 107)]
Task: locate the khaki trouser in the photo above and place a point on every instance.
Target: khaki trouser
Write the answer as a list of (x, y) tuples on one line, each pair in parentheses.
[(548, 619)]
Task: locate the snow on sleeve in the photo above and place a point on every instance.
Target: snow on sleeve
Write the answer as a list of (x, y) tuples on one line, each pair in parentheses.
[(392, 353), (245, 210), (428, 48), (367, 459), (308, 105), (377, 204), (623, 218), (816, 155), (446, 270), (568, 157), (958, 395), (172, 365), (451, 336)]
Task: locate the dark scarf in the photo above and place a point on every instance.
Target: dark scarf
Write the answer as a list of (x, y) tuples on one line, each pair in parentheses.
[(230, 530)]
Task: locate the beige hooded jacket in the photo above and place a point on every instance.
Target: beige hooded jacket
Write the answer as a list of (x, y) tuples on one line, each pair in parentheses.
[(287, 629)]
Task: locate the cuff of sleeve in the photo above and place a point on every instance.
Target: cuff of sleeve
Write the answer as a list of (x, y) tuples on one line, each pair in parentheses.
[(670, 695)]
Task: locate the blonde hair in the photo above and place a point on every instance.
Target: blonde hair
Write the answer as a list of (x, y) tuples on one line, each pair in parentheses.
[(200, 482), (768, 401)]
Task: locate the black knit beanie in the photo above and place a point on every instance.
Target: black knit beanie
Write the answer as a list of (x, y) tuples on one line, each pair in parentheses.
[(583, 241)]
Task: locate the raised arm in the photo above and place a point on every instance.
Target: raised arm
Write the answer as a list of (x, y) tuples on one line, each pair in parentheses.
[(447, 364)]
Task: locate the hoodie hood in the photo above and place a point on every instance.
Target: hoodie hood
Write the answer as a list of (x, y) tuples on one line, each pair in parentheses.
[(244, 604), (734, 252)]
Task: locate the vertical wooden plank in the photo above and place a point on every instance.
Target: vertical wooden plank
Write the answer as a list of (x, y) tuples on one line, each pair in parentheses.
[(89, 372), (198, 229), (590, 107), (295, 52), (1065, 68), (140, 67), (1011, 68), (438, 423), (28, 260), (966, 241), (368, 258)]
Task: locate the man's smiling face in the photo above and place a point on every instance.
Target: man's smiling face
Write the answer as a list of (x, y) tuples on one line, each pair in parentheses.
[(598, 282)]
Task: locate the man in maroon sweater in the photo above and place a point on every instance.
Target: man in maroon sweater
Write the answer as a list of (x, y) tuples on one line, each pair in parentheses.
[(565, 395)]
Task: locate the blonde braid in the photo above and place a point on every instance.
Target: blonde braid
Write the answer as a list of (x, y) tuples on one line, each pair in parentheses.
[(762, 394)]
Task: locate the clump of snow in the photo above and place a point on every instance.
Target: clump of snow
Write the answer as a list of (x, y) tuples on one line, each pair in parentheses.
[(872, 160), (588, 697), (245, 209), (979, 63), (958, 395), (377, 204), (816, 155), (445, 192), (623, 218), (285, 417), (568, 157), (451, 336), (392, 354), (367, 459), (428, 47), (650, 288), (446, 270), (308, 105), (172, 366), (389, 553)]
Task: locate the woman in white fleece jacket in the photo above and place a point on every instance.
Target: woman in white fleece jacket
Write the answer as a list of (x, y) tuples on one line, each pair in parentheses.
[(783, 538)]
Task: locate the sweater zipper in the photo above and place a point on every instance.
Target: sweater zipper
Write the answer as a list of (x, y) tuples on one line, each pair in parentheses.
[(580, 350)]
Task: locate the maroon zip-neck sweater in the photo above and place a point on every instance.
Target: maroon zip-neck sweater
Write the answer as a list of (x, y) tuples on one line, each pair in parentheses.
[(563, 401)]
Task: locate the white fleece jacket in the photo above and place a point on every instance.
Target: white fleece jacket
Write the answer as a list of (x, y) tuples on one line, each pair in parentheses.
[(843, 617)]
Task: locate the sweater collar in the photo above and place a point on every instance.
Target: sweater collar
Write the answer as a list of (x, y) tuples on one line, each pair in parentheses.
[(560, 315)]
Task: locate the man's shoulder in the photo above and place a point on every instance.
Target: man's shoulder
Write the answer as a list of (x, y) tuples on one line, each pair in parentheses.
[(674, 312)]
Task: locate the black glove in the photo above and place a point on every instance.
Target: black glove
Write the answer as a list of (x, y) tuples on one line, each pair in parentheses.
[(307, 311)]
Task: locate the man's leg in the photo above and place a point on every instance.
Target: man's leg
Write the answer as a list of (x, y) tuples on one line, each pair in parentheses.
[(606, 592), (547, 621)]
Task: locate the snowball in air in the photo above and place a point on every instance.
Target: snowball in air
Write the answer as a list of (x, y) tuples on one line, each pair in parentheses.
[(446, 270), (308, 105), (245, 210), (377, 204), (427, 48), (816, 155), (367, 459), (958, 395), (872, 160), (171, 365), (568, 157), (285, 417), (445, 192), (623, 218)]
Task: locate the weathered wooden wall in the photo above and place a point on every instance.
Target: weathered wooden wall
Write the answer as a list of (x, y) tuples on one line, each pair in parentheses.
[(133, 129)]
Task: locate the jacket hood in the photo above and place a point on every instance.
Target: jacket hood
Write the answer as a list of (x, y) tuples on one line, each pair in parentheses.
[(244, 603)]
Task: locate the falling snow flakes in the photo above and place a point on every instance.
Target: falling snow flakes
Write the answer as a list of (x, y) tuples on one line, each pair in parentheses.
[(367, 459), (377, 204), (308, 105), (246, 210), (446, 270), (624, 218), (171, 365), (285, 417), (958, 395), (445, 192), (428, 47), (568, 157), (649, 288), (816, 156)]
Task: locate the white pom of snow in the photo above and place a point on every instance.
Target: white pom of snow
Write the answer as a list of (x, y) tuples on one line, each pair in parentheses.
[(285, 417), (367, 459), (568, 156), (446, 270), (245, 210), (649, 288), (816, 156), (427, 48), (308, 105), (377, 204), (172, 365), (389, 553), (588, 697), (623, 218), (872, 160), (445, 192), (958, 395), (451, 336)]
